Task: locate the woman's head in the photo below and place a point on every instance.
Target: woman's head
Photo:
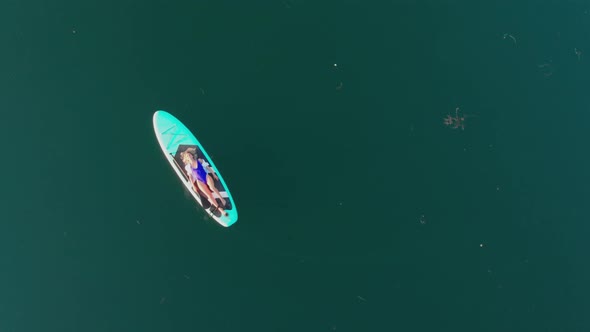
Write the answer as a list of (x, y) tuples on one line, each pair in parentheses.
[(186, 157)]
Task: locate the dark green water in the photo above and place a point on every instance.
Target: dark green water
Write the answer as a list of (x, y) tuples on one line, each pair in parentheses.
[(331, 167)]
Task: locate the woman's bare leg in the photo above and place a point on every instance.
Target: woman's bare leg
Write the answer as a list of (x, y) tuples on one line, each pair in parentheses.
[(212, 187), (209, 195)]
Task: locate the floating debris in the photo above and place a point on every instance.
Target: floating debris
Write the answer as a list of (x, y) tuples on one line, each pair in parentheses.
[(507, 35), (546, 69), (422, 219), (578, 53), (456, 121)]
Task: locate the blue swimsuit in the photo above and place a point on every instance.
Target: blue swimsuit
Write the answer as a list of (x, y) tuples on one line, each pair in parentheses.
[(199, 173)]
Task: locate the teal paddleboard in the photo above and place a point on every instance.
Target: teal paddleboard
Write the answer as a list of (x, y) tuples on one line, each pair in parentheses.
[(174, 138)]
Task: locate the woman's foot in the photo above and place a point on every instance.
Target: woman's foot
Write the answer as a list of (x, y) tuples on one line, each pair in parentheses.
[(222, 211)]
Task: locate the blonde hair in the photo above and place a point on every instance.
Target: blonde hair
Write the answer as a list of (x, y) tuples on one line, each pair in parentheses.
[(185, 157)]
